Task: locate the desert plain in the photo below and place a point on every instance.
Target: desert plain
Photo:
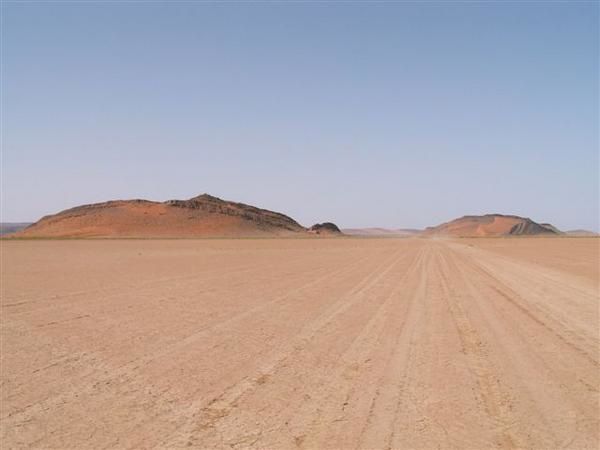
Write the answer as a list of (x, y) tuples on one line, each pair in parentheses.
[(300, 343)]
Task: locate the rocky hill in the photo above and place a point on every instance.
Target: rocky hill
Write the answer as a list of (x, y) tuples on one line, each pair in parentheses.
[(325, 228), (201, 216), (490, 225)]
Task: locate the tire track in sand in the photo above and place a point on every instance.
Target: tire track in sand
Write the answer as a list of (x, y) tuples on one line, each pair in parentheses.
[(126, 374), (532, 350), (379, 428), (338, 384), (494, 400), (220, 407)]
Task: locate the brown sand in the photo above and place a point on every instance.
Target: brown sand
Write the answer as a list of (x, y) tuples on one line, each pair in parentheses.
[(334, 343)]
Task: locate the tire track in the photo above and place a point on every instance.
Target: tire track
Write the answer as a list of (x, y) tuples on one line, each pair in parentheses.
[(379, 426), (125, 373), (522, 347), (220, 407), (511, 296), (336, 405), (408, 343), (494, 399), (207, 328)]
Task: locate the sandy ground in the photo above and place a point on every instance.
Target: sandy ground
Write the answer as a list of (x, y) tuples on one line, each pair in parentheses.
[(334, 343)]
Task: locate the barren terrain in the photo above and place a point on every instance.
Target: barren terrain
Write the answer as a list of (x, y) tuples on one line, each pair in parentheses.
[(300, 343)]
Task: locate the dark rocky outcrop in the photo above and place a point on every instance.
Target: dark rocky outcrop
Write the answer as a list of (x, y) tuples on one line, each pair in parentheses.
[(325, 228), (215, 205), (551, 227), (529, 227)]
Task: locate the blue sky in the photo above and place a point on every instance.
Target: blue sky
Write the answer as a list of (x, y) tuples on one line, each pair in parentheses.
[(367, 114)]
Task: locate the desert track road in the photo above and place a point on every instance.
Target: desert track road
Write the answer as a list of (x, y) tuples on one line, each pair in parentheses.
[(300, 343)]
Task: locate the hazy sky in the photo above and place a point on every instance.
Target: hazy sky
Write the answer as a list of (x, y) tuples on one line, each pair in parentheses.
[(387, 114)]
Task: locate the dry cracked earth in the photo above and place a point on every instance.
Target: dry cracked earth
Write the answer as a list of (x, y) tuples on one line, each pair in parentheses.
[(300, 343)]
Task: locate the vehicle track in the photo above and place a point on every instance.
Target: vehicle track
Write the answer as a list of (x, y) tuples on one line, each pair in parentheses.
[(349, 343)]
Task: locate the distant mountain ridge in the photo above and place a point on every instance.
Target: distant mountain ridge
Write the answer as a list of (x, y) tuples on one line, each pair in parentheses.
[(12, 227)]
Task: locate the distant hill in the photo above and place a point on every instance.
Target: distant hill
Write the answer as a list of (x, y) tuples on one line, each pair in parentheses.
[(201, 216), (382, 232), (582, 233), (325, 228), (12, 227), (492, 225)]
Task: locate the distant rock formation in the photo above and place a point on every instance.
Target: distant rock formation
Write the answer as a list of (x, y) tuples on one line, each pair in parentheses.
[(325, 228), (201, 216), (581, 233), (490, 225), (381, 232), (12, 227)]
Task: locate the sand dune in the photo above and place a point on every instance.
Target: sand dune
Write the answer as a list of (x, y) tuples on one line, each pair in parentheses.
[(338, 343)]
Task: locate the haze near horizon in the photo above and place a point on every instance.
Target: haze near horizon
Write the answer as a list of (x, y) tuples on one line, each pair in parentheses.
[(392, 115)]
